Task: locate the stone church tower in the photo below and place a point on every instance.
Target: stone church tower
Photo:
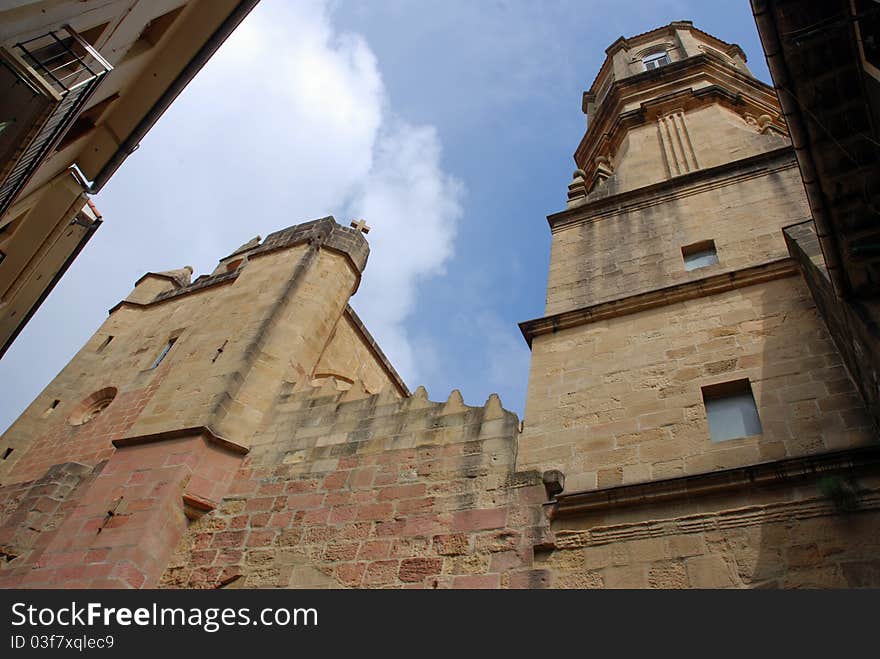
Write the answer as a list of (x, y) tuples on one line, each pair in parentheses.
[(689, 422), (681, 377)]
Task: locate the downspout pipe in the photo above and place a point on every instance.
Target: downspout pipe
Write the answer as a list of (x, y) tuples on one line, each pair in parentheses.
[(131, 143), (765, 20)]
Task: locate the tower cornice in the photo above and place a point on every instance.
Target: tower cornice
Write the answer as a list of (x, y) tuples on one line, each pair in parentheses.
[(675, 188), (687, 84)]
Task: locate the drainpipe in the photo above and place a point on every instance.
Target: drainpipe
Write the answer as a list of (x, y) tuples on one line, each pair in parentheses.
[(131, 143), (765, 19)]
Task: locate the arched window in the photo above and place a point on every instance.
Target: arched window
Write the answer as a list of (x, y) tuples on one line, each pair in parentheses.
[(656, 60)]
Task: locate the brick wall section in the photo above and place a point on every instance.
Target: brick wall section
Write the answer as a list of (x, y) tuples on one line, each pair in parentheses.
[(88, 443), (121, 527), (373, 493), (31, 512)]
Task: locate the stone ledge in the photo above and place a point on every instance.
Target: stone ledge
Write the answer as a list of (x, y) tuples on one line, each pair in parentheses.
[(195, 287), (677, 187), (786, 470), (204, 431), (713, 285), (610, 121)]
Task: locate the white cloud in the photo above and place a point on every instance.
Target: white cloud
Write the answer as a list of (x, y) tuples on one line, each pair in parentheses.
[(321, 137), (413, 207), (288, 122)]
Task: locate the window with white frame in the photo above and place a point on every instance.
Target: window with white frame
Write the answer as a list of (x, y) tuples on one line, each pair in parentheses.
[(656, 60)]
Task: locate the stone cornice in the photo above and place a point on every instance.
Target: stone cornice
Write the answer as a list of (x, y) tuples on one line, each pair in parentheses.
[(678, 187), (786, 470), (730, 87), (203, 431), (635, 40), (713, 285)]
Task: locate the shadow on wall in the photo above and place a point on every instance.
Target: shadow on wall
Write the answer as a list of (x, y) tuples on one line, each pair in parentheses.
[(817, 525)]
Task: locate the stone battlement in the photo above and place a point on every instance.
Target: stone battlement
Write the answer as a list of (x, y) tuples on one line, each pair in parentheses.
[(349, 489)]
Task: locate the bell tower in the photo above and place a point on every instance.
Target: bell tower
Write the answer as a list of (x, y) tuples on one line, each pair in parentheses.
[(680, 351), (667, 103)]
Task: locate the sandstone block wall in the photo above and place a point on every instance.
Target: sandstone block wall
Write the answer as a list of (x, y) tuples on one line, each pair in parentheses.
[(614, 249), (239, 337), (775, 529), (31, 510), (116, 525), (683, 141), (619, 401)]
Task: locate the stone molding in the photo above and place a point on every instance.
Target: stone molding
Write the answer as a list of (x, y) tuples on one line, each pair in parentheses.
[(209, 435), (661, 297), (786, 470), (679, 187)]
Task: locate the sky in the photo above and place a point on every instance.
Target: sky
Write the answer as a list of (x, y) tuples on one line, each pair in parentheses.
[(449, 127)]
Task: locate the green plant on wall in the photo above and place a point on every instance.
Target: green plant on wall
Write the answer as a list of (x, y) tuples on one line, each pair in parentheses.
[(843, 492)]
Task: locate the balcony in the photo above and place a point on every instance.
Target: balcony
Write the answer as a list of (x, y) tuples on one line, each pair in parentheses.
[(44, 84)]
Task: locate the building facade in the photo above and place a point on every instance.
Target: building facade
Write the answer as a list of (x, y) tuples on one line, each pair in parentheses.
[(689, 423), (82, 83)]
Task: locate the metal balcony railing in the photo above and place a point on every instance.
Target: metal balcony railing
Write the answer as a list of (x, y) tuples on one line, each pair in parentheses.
[(69, 66)]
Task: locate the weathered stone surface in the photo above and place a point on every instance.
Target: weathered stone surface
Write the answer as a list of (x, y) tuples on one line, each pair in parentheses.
[(273, 445)]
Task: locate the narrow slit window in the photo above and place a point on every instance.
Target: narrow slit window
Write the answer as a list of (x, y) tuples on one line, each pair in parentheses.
[(104, 344), (699, 255), (164, 352), (51, 408), (731, 410)]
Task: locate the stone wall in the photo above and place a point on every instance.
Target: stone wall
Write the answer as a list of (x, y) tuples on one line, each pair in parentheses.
[(355, 356), (853, 324), (240, 336), (620, 247), (783, 525), (619, 401), (30, 511), (350, 490), (682, 142)]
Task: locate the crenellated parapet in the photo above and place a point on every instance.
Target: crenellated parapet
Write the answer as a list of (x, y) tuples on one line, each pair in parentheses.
[(331, 417), (350, 489), (324, 233)]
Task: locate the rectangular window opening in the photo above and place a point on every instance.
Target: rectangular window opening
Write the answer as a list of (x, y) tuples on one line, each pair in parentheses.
[(699, 255), (656, 60), (51, 408), (164, 352), (731, 410), (7, 453)]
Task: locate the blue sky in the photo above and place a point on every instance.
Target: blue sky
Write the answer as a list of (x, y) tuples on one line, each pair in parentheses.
[(449, 126)]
